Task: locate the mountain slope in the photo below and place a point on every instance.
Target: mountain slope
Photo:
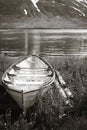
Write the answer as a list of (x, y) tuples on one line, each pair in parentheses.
[(70, 8), (64, 8)]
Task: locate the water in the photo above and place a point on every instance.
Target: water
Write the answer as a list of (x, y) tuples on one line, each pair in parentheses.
[(49, 42)]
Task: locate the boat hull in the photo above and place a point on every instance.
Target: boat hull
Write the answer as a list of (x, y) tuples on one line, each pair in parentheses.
[(26, 78), (26, 100)]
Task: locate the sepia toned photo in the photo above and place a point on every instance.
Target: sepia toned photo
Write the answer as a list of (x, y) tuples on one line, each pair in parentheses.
[(43, 65)]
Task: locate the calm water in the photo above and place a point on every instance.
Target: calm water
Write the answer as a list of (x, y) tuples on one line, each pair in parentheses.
[(49, 42)]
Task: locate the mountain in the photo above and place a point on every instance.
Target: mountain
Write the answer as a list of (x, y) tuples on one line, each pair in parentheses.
[(31, 8), (66, 8)]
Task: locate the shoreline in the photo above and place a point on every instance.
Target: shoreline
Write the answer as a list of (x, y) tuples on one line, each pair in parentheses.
[(42, 22)]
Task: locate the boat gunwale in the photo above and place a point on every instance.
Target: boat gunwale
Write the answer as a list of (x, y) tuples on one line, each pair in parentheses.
[(18, 61)]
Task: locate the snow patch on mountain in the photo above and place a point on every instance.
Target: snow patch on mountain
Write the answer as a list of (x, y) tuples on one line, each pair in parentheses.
[(25, 12), (79, 11), (85, 1), (79, 0), (35, 4)]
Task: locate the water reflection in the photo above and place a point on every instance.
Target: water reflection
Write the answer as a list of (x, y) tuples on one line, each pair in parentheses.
[(26, 42), (36, 42), (49, 42)]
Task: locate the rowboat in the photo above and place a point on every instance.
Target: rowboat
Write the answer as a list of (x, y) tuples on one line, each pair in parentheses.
[(24, 79)]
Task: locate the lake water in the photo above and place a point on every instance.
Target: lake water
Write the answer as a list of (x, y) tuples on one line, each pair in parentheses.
[(45, 42)]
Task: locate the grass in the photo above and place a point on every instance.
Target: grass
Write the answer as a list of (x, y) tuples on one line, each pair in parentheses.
[(44, 115)]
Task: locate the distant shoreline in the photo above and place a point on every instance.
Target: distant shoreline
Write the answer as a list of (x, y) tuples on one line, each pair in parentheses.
[(41, 22)]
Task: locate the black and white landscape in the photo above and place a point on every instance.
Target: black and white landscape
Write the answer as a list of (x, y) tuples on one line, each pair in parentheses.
[(43, 13)]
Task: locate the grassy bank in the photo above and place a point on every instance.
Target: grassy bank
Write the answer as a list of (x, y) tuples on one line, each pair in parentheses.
[(44, 115)]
